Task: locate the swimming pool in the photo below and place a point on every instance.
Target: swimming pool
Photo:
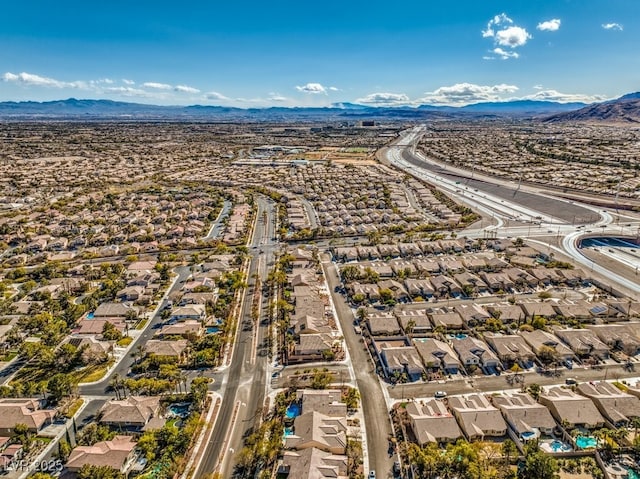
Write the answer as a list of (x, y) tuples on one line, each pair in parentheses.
[(180, 409), (90, 315), (632, 474), (528, 435), (293, 411), (586, 442), (288, 431), (559, 446), (213, 329)]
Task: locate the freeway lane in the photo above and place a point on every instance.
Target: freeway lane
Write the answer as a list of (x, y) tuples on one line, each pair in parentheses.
[(499, 195), (245, 378)]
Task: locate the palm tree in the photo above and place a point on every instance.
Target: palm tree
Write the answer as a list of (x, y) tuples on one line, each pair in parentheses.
[(115, 384)]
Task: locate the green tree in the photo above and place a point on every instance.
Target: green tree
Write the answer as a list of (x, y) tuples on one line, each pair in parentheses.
[(535, 390), (199, 387), (94, 433), (89, 471), (64, 450), (537, 464), (22, 435), (509, 450), (110, 332), (351, 398), (59, 386)]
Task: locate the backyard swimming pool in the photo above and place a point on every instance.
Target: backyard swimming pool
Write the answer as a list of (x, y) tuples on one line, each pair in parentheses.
[(586, 442), (293, 411)]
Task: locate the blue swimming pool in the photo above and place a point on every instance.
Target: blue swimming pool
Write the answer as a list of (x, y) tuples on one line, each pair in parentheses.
[(586, 442), (528, 435), (293, 411), (461, 336), (288, 431), (180, 409), (213, 329), (632, 474), (559, 446), (90, 315)]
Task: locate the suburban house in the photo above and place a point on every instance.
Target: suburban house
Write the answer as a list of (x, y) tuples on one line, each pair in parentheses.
[(617, 337), (446, 319), (24, 411), (511, 348), (317, 430), (118, 453), (167, 349), (583, 342), (414, 321), (472, 314), (527, 418), (506, 312), (402, 359), (472, 351), (313, 463), (132, 413), (538, 308), (617, 406), (191, 311), (431, 421), (113, 310), (539, 339), (325, 401), (572, 408), (437, 354), (419, 287), (185, 329), (477, 417)]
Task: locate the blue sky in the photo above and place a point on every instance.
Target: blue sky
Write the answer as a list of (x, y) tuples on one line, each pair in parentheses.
[(250, 53)]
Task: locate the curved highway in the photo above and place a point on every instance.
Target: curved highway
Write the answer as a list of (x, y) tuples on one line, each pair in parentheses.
[(539, 214)]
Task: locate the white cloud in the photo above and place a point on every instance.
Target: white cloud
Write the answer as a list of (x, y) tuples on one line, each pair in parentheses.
[(613, 26), (214, 95), (127, 91), (504, 33), (313, 88), (277, 97), (537, 87), (385, 99), (157, 86), (128, 82), (30, 79), (554, 95), (498, 20), (467, 93), (505, 55), (185, 89), (512, 37), (549, 25), (333, 88)]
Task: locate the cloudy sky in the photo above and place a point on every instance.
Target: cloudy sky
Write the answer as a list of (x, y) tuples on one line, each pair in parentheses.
[(257, 53)]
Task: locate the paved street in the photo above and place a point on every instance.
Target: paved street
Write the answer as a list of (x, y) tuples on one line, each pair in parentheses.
[(245, 379), (376, 415)]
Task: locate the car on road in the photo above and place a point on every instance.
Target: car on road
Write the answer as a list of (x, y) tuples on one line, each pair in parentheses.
[(440, 394), (396, 467), (569, 364), (372, 475), (570, 381)]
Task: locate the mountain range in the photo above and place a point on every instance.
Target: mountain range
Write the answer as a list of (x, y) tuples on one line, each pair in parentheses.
[(626, 107)]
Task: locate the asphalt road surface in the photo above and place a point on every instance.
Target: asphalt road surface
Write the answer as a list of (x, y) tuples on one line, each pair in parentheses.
[(376, 415), (245, 383)]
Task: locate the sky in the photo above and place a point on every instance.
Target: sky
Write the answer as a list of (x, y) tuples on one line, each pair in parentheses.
[(285, 53)]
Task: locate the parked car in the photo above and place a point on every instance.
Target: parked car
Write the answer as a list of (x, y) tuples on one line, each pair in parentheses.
[(372, 475), (440, 395)]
